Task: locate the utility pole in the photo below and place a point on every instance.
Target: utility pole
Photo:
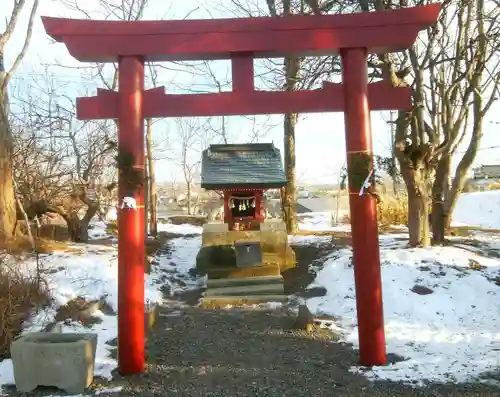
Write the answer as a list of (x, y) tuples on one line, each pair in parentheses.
[(392, 133)]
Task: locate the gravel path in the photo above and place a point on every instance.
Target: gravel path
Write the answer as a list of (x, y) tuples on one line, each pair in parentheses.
[(194, 352)]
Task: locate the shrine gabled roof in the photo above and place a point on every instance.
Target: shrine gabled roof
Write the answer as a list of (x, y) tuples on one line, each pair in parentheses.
[(256, 165)]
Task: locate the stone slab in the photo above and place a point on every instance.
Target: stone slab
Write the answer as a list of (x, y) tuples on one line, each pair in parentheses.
[(223, 301), (269, 289), (215, 227), (65, 361), (233, 282), (234, 272), (273, 225)]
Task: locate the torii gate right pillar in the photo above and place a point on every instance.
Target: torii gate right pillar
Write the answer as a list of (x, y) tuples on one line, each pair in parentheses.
[(363, 208)]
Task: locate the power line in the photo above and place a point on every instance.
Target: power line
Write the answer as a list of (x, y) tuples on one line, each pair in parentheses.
[(481, 149)]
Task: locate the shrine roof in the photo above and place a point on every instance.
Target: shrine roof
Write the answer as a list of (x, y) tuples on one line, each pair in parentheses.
[(248, 165)]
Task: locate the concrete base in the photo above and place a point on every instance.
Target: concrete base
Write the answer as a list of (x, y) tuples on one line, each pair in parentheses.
[(214, 302), (273, 242), (65, 361), (235, 272), (241, 291), (237, 282), (257, 290)]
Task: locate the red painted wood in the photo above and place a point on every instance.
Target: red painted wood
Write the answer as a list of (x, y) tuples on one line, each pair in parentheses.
[(381, 96), (131, 253), (242, 73), (363, 213), (259, 207), (227, 210), (218, 39)]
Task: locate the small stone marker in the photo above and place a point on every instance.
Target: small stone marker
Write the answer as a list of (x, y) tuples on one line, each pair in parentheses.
[(305, 320)]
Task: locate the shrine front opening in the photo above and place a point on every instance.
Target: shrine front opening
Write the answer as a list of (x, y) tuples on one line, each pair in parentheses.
[(132, 43)]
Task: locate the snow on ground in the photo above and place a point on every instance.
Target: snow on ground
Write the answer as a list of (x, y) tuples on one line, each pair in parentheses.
[(479, 209), (451, 334), (319, 222), (179, 229), (91, 272), (178, 262)]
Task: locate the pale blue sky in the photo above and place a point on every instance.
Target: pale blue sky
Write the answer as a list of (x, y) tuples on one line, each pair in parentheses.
[(320, 143)]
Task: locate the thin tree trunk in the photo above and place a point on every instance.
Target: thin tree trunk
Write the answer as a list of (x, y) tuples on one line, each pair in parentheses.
[(292, 75), (189, 198), (153, 197), (418, 218), (290, 196), (7, 196), (470, 154), (439, 199)]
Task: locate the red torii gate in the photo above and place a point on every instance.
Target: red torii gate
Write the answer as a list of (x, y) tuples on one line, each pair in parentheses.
[(242, 40)]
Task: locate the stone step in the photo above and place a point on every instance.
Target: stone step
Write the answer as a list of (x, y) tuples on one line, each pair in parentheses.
[(269, 289), (222, 301), (235, 272), (234, 282)]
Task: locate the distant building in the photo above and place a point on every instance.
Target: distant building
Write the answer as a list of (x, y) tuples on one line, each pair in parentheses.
[(491, 171)]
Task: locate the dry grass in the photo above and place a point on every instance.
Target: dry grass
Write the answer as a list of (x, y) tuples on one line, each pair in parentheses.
[(391, 210), (20, 295), (112, 228), (494, 186), (22, 244)]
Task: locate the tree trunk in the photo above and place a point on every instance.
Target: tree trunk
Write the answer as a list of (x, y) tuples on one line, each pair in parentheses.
[(440, 190), (77, 230), (465, 163), (7, 196), (290, 191), (189, 197), (292, 70), (418, 216), (153, 197)]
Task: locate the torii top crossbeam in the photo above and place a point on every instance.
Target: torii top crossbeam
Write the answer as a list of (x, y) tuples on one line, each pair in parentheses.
[(211, 39)]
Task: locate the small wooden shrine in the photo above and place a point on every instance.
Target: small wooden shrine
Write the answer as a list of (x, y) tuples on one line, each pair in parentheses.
[(241, 173)]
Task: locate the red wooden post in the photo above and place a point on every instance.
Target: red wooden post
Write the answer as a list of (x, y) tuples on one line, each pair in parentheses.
[(259, 206), (130, 226), (242, 72), (363, 212), (227, 210)]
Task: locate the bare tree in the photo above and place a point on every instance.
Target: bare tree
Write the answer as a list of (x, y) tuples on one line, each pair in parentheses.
[(7, 198), (454, 74), (60, 164), (107, 74), (189, 132), (152, 196)]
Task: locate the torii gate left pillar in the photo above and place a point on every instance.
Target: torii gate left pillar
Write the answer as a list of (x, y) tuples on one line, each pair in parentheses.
[(131, 250), (126, 106)]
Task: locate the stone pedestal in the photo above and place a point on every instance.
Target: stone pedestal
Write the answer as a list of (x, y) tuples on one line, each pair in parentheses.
[(65, 361), (273, 241)]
